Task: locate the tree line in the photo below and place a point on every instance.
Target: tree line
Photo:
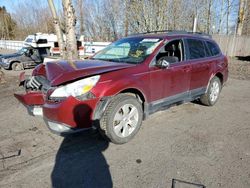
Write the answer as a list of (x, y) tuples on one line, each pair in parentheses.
[(111, 19)]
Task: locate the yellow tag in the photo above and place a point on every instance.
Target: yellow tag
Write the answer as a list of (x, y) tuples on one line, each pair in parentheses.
[(138, 53)]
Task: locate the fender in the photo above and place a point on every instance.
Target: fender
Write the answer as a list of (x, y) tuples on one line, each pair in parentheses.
[(114, 89), (211, 77), (134, 82)]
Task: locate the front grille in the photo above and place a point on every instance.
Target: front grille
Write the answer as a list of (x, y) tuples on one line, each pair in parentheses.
[(37, 83)]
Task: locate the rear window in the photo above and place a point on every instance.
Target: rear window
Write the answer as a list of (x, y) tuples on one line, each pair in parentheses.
[(196, 49), (214, 49), (42, 41), (56, 44)]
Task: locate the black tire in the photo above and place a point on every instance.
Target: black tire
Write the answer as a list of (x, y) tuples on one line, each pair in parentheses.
[(106, 126), (206, 98), (17, 66)]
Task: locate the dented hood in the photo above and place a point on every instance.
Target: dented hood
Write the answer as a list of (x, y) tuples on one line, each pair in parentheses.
[(64, 71)]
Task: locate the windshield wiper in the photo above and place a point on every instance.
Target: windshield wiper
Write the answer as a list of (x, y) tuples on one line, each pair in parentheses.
[(115, 60), (109, 60)]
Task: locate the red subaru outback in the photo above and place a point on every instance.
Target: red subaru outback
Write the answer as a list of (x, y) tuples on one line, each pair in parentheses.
[(126, 82)]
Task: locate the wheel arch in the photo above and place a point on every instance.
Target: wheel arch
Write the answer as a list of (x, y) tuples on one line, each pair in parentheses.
[(103, 103), (14, 61), (220, 76), (138, 94)]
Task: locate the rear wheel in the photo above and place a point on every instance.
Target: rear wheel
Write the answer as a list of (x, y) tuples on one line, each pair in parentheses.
[(17, 66), (122, 119), (213, 92)]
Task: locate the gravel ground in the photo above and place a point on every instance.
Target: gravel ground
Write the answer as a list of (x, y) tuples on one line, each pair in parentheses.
[(191, 142)]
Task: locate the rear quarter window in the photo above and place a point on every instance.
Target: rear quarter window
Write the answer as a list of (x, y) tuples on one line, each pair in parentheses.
[(214, 49), (196, 49)]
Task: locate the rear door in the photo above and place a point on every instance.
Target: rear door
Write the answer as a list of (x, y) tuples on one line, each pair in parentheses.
[(197, 55)]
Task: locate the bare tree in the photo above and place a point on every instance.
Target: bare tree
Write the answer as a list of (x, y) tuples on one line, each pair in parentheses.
[(241, 16), (70, 23), (209, 15), (81, 15), (7, 24), (35, 17), (57, 28), (111, 19)]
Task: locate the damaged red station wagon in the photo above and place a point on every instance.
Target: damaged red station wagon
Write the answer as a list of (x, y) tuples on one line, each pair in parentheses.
[(126, 82)]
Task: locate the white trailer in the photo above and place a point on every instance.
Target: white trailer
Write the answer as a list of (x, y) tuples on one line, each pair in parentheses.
[(50, 40), (85, 49)]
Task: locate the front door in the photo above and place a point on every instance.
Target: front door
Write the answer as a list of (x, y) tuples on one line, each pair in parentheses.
[(171, 84)]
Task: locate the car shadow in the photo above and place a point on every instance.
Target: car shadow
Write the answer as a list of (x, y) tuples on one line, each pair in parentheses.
[(243, 58), (79, 161)]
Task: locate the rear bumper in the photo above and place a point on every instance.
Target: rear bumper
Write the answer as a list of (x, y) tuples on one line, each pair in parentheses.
[(29, 64)]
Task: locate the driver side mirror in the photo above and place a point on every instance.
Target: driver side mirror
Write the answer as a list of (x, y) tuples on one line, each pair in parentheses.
[(163, 64)]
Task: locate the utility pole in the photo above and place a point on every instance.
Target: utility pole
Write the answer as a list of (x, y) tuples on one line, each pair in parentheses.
[(195, 23), (57, 29)]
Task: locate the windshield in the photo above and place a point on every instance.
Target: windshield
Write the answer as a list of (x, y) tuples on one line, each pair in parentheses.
[(22, 50), (128, 50)]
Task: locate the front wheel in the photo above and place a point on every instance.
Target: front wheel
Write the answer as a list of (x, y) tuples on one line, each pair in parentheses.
[(213, 92), (122, 119)]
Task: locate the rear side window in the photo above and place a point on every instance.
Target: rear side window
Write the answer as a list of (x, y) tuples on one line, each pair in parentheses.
[(196, 49), (214, 49)]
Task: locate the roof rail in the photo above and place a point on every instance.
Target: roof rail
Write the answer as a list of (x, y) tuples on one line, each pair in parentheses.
[(174, 32), (200, 33), (161, 31)]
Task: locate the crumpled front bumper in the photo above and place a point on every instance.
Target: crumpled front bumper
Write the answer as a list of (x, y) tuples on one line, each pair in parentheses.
[(68, 116), (32, 101), (30, 98), (61, 128)]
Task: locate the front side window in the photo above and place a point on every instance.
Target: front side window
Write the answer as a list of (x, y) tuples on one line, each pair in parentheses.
[(172, 52), (128, 50), (23, 50), (196, 49)]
